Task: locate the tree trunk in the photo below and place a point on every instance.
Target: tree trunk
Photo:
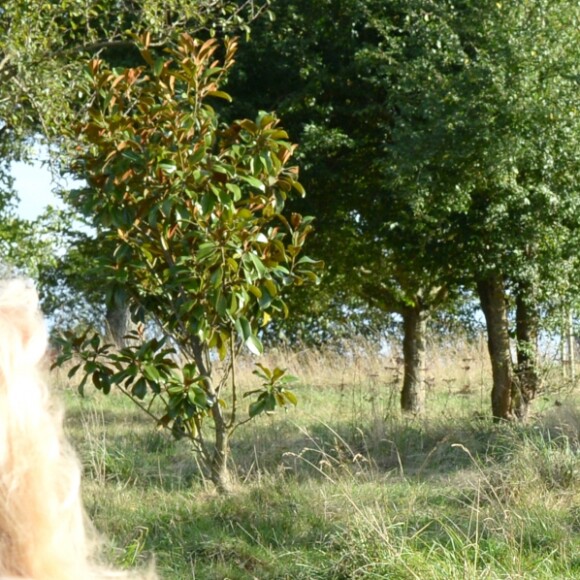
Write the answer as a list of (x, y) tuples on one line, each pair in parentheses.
[(220, 474), (218, 462), (118, 318), (413, 392), (493, 303), (528, 379)]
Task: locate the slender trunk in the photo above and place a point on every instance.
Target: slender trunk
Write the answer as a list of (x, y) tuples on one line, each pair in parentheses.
[(528, 379), (563, 334), (218, 463), (413, 392), (493, 303), (220, 474)]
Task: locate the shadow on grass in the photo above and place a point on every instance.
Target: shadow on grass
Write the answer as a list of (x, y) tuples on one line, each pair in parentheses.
[(119, 443), (315, 529), (328, 501), (251, 534)]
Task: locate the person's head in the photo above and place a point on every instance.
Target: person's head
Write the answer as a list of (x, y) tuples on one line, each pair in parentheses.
[(44, 534)]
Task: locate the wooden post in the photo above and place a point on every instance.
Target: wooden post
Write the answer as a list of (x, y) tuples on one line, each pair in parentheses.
[(570, 345), (563, 362)]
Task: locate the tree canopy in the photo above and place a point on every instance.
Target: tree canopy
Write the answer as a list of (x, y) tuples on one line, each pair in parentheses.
[(438, 140)]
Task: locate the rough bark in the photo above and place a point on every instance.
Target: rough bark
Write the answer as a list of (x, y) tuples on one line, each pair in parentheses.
[(218, 464), (493, 303), (220, 474), (413, 391), (119, 323), (527, 375)]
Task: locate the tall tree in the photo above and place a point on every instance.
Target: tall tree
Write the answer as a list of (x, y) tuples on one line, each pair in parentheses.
[(485, 129), (326, 83)]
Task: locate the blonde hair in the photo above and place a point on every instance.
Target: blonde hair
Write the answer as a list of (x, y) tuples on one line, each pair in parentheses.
[(44, 534)]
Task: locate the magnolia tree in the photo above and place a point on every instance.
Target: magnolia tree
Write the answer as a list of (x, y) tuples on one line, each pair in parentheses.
[(200, 246)]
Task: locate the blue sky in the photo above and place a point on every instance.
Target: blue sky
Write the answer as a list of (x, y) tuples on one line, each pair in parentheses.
[(34, 185)]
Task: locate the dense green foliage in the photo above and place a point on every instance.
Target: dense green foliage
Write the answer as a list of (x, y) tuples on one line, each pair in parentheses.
[(438, 140), (44, 47)]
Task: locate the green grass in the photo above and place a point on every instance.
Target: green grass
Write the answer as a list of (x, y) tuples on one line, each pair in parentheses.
[(342, 487)]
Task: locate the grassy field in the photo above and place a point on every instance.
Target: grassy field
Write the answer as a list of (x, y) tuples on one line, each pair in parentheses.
[(343, 486)]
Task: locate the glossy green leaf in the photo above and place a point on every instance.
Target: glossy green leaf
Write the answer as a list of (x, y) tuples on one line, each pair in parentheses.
[(254, 345), (257, 407)]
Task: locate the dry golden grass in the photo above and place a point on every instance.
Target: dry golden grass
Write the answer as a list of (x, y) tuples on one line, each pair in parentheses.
[(458, 365)]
